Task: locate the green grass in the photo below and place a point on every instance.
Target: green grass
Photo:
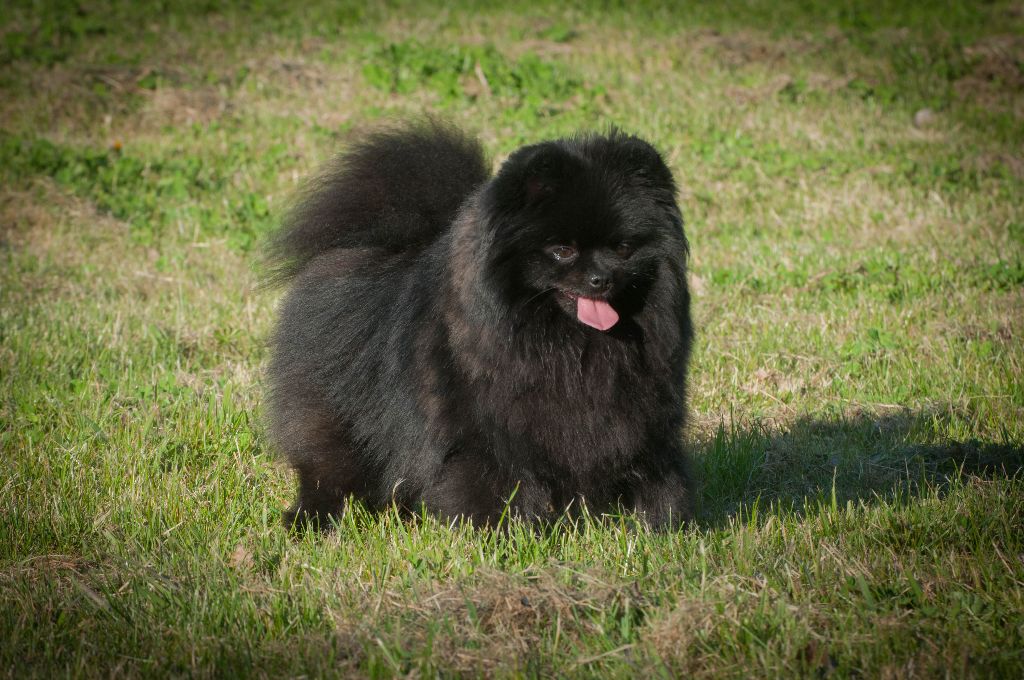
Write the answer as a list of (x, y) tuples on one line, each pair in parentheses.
[(857, 409)]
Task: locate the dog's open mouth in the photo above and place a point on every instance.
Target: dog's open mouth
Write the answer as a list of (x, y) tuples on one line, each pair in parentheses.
[(594, 312)]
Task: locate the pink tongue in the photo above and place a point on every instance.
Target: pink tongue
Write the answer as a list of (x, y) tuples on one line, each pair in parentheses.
[(596, 313)]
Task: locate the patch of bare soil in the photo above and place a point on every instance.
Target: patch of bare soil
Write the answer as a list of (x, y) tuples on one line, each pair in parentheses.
[(997, 70), (46, 567), (19, 215), (990, 161), (311, 90), (36, 219), (819, 82), (70, 97), (501, 616), (746, 46), (176, 106), (674, 635)]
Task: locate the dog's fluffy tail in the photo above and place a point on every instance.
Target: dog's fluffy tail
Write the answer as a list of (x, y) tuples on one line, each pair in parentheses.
[(396, 189)]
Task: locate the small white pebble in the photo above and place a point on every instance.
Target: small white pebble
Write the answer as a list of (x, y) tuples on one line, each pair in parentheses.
[(924, 118)]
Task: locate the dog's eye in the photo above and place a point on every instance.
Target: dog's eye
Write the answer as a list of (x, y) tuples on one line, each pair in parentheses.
[(624, 250), (562, 253)]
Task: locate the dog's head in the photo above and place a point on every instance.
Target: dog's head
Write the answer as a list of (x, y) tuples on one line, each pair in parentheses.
[(584, 225)]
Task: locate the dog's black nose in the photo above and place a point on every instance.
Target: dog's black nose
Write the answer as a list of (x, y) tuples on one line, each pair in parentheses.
[(599, 281)]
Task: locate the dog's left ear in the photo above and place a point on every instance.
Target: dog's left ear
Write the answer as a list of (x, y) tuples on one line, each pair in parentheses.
[(643, 159)]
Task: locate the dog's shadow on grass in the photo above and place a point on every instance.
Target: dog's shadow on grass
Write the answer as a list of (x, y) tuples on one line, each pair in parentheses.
[(860, 457)]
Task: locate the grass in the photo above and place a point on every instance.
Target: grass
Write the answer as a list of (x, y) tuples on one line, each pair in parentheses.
[(857, 410)]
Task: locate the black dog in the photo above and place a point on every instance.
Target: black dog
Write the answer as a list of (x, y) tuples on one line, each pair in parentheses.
[(467, 343)]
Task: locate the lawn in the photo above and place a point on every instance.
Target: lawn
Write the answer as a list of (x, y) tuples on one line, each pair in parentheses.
[(852, 177)]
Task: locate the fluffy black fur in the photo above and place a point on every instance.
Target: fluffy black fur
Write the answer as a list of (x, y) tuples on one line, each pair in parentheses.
[(429, 353)]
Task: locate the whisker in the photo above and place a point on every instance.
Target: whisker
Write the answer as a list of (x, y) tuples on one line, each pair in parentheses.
[(534, 297)]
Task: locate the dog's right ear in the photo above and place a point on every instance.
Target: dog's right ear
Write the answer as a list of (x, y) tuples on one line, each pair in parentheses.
[(543, 173), (532, 175)]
